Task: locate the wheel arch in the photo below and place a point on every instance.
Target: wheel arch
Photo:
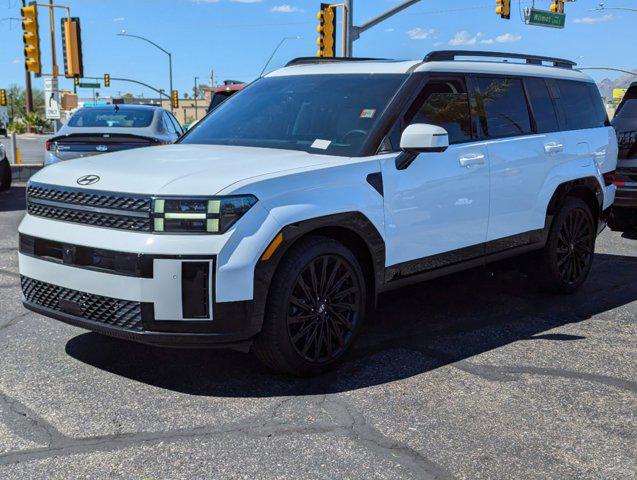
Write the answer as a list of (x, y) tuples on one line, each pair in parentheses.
[(352, 229), (587, 189)]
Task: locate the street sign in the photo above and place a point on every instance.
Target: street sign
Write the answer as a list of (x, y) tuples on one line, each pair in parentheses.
[(618, 93), (51, 98), (88, 85), (544, 18)]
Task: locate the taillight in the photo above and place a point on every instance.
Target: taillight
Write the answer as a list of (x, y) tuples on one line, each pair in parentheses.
[(47, 145), (609, 178)]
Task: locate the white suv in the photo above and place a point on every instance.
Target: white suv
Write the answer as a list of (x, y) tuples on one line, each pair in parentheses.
[(276, 221)]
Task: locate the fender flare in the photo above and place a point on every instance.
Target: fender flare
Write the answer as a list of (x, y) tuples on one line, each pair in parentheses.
[(564, 189)]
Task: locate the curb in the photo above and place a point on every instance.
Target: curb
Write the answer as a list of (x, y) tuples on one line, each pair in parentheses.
[(22, 173)]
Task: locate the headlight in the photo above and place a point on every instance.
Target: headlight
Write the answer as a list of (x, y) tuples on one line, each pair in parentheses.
[(199, 215)]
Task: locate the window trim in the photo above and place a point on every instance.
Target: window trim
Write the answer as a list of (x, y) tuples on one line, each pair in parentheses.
[(482, 113), (530, 104), (554, 91)]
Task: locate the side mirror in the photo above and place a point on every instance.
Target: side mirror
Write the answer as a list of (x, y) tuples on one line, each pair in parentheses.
[(422, 137)]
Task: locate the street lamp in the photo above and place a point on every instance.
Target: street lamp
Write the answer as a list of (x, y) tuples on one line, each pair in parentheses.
[(196, 92), (170, 57), (275, 50)]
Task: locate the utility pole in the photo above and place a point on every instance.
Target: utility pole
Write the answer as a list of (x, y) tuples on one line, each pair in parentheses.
[(195, 92), (353, 33)]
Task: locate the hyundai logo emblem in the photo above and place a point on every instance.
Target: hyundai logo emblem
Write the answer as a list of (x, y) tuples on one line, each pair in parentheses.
[(88, 180), (101, 148)]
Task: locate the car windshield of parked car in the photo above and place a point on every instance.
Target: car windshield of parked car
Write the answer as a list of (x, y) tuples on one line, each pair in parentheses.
[(324, 114), (112, 117), (628, 109)]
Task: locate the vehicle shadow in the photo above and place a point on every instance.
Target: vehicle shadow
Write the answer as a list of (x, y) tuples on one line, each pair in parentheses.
[(13, 199), (413, 331)]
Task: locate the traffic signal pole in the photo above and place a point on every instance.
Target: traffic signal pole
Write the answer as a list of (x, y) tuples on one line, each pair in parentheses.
[(353, 32)]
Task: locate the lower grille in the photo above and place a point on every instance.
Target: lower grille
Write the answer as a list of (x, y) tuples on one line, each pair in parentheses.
[(110, 311), (90, 218)]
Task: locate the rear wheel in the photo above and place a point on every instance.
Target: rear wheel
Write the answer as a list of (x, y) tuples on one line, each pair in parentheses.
[(565, 262), (315, 308), (5, 175)]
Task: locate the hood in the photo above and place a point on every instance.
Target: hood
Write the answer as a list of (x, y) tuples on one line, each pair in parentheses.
[(177, 169)]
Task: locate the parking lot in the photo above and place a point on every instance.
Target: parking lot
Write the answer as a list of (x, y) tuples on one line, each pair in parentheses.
[(471, 376)]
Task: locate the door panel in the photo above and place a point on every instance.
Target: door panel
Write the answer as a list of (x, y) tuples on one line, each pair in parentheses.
[(436, 205)]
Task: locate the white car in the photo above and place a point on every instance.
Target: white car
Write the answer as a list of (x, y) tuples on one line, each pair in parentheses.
[(275, 224)]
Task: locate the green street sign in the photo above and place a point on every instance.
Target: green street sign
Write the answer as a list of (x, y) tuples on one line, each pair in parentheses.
[(544, 18), (88, 85)]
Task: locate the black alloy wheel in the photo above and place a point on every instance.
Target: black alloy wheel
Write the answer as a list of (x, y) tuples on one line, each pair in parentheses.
[(323, 309), (575, 244)]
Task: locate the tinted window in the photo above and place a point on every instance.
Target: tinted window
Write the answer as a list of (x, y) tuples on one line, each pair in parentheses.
[(325, 114), (581, 105), (541, 105), (175, 122), (628, 109), (113, 117), (506, 113), (444, 103), (168, 125)]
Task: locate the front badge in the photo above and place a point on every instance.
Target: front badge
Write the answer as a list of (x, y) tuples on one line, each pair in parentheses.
[(88, 180)]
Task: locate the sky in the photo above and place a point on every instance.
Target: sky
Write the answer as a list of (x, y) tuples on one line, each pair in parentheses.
[(234, 38)]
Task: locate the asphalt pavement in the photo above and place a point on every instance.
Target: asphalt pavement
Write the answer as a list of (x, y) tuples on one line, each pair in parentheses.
[(32, 147), (473, 376)]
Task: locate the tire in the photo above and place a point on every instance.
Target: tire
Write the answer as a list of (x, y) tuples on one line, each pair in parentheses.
[(329, 310), (564, 263), (5, 175)]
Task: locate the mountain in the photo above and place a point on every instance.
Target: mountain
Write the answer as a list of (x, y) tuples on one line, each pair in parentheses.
[(607, 85)]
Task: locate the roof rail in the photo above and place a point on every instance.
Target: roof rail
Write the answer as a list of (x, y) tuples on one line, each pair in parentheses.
[(311, 60), (450, 55)]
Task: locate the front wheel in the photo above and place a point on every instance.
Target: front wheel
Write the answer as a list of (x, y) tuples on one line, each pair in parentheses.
[(315, 308), (564, 263)]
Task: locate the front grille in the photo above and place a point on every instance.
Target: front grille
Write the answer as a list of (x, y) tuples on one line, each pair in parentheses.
[(96, 208), (90, 218), (91, 199), (109, 311)]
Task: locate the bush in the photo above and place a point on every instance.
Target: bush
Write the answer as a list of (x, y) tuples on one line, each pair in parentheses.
[(18, 126)]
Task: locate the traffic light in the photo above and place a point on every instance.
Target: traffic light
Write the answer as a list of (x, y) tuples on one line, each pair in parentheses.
[(3, 97), (326, 30), (175, 99), (76, 81), (72, 47), (503, 8), (557, 6), (107, 80), (31, 39)]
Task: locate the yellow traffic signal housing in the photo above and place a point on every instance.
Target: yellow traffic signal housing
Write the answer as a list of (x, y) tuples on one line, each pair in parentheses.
[(557, 6), (76, 81), (503, 8), (31, 39), (326, 30), (175, 99), (72, 47), (3, 97), (107, 80)]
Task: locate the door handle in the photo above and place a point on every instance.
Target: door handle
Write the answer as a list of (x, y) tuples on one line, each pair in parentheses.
[(553, 147), (472, 160)]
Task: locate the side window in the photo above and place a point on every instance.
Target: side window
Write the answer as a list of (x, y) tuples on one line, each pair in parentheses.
[(444, 103), (168, 125), (581, 105), (175, 122), (541, 105), (506, 113)]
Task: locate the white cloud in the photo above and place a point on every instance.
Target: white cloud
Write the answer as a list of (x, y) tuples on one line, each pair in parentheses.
[(389, 29), (590, 20), (119, 19), (15, 62), (504, 38), (285, 9), (205, 1), (246, 1), (464, 38), (420, 34)]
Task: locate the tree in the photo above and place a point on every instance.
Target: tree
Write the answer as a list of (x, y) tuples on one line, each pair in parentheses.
[(128, 95), (17, 101)]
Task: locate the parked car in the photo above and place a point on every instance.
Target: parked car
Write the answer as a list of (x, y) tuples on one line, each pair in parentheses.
[(112, 128), (624, 214), (275, 223), (5, 170), (223, 93)]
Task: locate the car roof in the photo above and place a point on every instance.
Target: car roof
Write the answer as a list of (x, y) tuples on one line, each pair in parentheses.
[(124, 106), (380, 66)]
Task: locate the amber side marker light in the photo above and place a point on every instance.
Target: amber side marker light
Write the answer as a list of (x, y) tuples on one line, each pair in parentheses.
[(272, 247)]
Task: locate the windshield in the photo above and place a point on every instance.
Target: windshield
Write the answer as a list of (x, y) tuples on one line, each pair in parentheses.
[(112, 117), (628, 109), (327, 114)]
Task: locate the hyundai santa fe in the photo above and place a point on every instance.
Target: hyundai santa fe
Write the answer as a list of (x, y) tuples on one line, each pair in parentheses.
[(273, 225)]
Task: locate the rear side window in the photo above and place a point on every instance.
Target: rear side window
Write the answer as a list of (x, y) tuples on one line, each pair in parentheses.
[(541, 105), (506, 113), (580, 104), (444, 103)]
